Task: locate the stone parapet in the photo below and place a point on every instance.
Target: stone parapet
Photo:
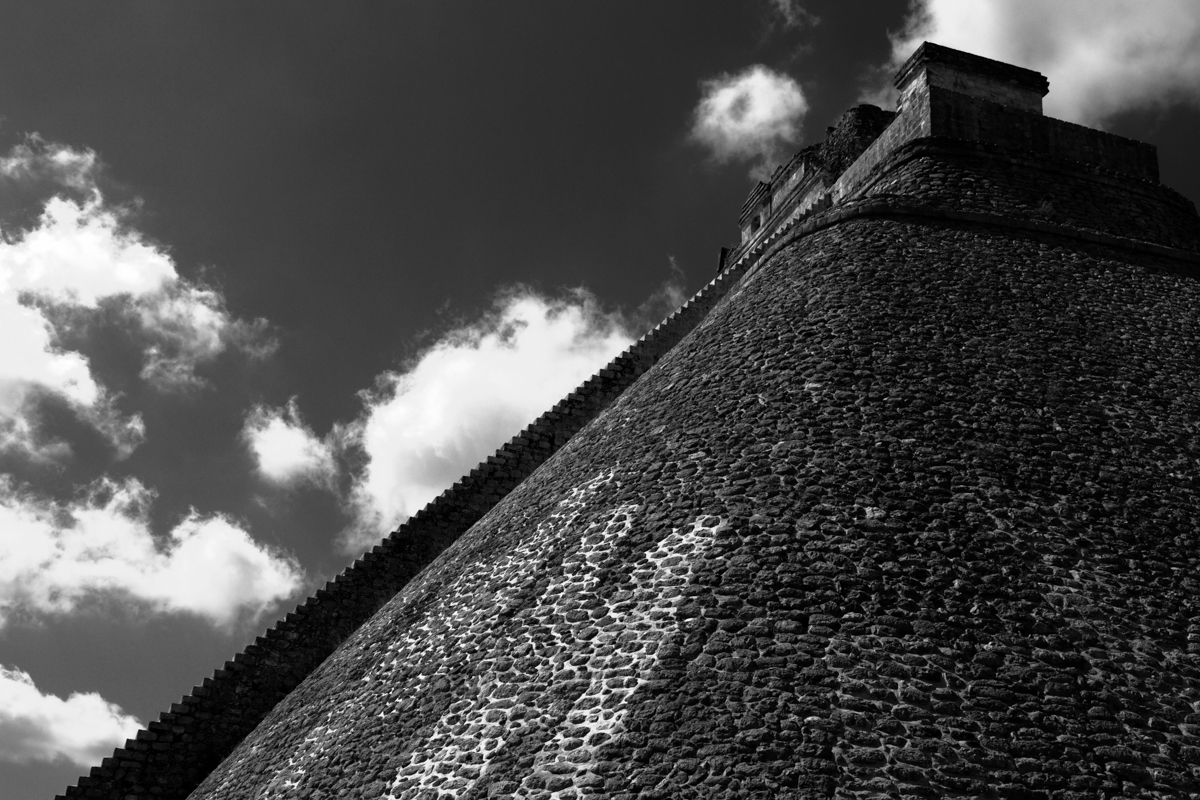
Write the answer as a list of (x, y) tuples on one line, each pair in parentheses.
[(958, 116), (966, 73), (802, 184)]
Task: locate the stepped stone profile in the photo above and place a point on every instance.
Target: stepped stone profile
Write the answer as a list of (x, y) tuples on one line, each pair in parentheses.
[(905, 503)]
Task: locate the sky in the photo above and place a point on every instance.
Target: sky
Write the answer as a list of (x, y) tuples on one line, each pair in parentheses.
[(275, 274)]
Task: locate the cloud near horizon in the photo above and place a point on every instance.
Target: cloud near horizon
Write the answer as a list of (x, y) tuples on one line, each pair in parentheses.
[(1103, 57), (752, 116), (426, 426), (56, 556), (34, 726)]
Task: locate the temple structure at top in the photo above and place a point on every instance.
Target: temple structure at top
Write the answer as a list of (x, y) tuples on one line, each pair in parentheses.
[(943, 93)]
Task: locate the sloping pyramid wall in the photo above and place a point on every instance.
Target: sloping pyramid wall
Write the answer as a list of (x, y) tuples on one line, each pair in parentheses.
[(905, 503), (913, 511), (170, 757)]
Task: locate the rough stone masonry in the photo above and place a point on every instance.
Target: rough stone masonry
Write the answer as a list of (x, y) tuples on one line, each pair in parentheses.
[(906, 503)]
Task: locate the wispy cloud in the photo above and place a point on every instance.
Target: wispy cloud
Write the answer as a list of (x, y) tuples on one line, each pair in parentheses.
[(24, 406), (184, 326), (1103, 57), (54, 556), (753, 116), (78, 257), (285, 448), (34, 726), (36, 170), (793, 14)]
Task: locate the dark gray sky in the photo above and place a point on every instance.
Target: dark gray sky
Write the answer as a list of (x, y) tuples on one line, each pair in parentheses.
[(367, 178)]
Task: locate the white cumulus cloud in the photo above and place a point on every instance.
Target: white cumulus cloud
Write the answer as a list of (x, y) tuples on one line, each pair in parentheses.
[(754, 115), (34, 726), (428, 425), (54, 557), (79, 253), (285, 448), (1103, 57)]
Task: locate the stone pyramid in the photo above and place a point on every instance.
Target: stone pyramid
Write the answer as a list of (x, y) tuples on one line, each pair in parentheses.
[(905, 503)]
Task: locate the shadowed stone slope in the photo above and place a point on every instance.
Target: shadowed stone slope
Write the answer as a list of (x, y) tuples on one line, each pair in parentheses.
[(915, 508)]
